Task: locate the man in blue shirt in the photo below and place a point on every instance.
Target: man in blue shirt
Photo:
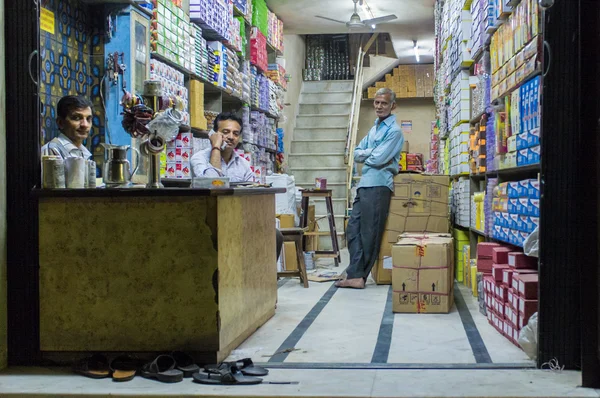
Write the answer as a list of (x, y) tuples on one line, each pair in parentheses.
[(379, 152)]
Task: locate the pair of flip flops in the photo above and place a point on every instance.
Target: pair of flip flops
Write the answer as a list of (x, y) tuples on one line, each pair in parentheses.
[(121, 368), (170, 368), (242, 372)]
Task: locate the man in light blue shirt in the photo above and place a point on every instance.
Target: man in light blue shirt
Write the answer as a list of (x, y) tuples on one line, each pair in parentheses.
[(379, 151)]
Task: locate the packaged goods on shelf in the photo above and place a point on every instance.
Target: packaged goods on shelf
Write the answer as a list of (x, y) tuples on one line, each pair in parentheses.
[(433, 268), (170, 33), (277, 74), (199, 53), (234, 75), (260, 17), (210, 118), (214, 16), (235, 37), (429, 197), (177, 156), (461, 202), (434, 150), (408, 81), (246, 76), (242, 5), (478, 148), (259, 90), (460, 99), (258, 50), (459, 149), (411, 162), (489, 198), (275, 31), (480, 96), (327, 58), (481, 20), (478, 211), (218, 59), (172, 86), (197, 118), (516, 209), (461, 240)]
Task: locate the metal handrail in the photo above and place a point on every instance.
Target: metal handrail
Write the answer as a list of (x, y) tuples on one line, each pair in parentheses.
[(353, 125)]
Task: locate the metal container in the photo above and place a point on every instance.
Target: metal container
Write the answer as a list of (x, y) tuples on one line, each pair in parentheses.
[(117, 169)]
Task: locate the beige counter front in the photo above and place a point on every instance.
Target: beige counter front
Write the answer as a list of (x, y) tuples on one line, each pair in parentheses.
[(143, 271)]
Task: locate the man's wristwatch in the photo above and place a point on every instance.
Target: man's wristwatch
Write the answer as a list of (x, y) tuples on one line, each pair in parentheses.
[(213, 148)]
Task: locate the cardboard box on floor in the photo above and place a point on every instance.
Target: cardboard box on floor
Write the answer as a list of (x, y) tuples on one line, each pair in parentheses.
[(423, 275), (419, 204), (291, 262)]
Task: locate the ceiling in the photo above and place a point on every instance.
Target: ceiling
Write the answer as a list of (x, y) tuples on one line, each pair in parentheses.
[(415, 21)]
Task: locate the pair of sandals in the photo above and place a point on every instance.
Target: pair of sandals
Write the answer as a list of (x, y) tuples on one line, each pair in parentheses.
[(242, 372), (165, 368)]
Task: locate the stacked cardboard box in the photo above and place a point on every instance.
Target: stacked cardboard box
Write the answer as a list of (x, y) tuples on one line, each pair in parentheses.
[(408, 81), (419, 204), (422, 276), (511, 291), (197, 119)]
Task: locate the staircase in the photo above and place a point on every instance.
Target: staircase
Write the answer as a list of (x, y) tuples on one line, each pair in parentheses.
[(319, 144)]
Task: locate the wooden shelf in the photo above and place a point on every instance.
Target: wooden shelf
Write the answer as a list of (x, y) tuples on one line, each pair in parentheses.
[(516, 171)]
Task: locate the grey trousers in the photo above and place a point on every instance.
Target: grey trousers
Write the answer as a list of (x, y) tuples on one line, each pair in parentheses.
[(366, 228), (278, 242)]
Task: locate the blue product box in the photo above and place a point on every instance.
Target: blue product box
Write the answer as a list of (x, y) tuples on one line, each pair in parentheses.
[(514, 221), (522, 207), (497, 231), (533, 137), (524, 188), (522, 141), (523, 222), (522, 157), (533, 155), (498, 218), (534, 189), (532, 224), (506, 219), (514, 236), (505, 234), (513, 206), (533, 207), (513, 189), (524, 235)]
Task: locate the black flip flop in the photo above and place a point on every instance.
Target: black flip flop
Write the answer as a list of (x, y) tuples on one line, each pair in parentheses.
[(124, 367), (95, 367), (162, 369), (246, 366), (185, 363), (230, 376)]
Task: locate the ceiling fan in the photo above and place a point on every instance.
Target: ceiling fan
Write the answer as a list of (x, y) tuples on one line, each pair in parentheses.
[(356, 23)]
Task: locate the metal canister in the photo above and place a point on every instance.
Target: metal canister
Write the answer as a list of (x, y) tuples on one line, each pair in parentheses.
[(53, 172)]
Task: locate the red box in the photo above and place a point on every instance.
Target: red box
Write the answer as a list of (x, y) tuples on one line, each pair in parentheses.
[(499, 307), (501, 292), (513, 299), (516, 274), (497, 271), (500, 255), (511, 315), (507, 276), (521, 261), (484, 249), (484, 265), (488, 284), (528, 286), (525, 316), (527, 307)]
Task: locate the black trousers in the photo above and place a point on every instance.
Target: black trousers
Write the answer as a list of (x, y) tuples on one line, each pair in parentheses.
[(365, 229), (278, 241)]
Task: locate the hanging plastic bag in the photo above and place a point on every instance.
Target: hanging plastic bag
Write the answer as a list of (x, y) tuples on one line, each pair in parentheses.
[(531, 244), (528, 337)]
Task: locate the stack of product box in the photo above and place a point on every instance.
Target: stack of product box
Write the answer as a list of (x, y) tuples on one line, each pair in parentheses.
[(276, 73), (410, 162), (461, 240), (407, 81), (480, 96), (218, 55), (510, 291), (214, 16), (516, 207), (236, 26), (444, 160), (178, 153), (527, 137), (478, 211), (173, 85), (434, 150), (490, 138), (259, 90), (258, 50), (461, 201), (459, 149), (459, 47), (234, 75), (460, 99), (420, 204), (422, 275), (492, 183), (170, 33), (200, 53), (478, 148), (246, 75), (197, 118), (478, 27), (260, 16), (275, 32)]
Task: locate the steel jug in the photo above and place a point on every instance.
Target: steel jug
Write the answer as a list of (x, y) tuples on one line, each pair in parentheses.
[(117, 169)]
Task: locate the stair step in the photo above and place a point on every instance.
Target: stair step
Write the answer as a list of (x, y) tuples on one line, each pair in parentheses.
[(324, 109), (322, 97), (328, 85), (320, 121), (311, 159), (319, 146), (319, 133)]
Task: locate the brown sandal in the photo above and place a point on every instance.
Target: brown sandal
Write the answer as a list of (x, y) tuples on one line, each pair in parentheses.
[(95, 367)]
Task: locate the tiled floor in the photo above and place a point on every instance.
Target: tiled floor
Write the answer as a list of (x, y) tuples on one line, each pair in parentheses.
[(332, 336)]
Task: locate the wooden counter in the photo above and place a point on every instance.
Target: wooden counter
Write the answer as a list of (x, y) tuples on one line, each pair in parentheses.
[(149, 272)]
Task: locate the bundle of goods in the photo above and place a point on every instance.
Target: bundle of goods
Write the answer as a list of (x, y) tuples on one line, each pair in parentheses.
[(516, 207), (461, 202), (275, 33), (217, 63), (422, 274), (411, 162), (478, 147), (178, 154), (263, 131), (234, 75), (235, 37), (434, 150), (200, 53), (170, 33), (510, 288), (260, 17), (243, 6), (214, 16), (210, 118), (172, 86), (243, 36), (428, 211), (258, 50), (276, 73), (327, 58), (459, 149), (492, 183), (259, 90), (480, 96), (246, 76)]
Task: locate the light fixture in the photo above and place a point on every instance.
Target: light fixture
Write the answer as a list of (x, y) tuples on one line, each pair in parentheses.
[(416, 51), (373, 26)]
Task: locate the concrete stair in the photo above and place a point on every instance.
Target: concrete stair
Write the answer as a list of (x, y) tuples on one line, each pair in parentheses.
[(318, 147)]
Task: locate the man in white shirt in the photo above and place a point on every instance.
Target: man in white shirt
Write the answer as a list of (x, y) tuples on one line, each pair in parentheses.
[(221, 160), (75, 122)]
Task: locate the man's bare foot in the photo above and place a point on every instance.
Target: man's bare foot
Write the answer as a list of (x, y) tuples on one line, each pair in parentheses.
[(354, 283)]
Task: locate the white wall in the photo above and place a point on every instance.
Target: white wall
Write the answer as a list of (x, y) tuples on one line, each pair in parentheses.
[(3, 308), (294, 49), (378, 65), (420, 110)]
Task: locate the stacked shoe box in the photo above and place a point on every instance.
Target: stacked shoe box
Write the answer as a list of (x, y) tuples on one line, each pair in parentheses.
[(459, 149), (516, 207), (461, 202), (460, 99)]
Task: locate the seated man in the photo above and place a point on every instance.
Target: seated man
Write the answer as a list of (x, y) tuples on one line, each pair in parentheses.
[(221, 160), (74, 121)]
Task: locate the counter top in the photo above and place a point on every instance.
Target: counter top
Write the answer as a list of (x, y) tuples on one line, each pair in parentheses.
[(145, 192)]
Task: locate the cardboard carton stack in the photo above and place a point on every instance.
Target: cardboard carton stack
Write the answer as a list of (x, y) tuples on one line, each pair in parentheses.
[(419, 204), (511, 290), (408, 81), (461, 240), (423, 274)]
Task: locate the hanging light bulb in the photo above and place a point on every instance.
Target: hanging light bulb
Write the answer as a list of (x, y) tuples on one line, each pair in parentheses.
[(416, 51), (373, 26)]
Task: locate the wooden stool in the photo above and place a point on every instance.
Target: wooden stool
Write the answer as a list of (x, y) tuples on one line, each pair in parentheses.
[(322, 193), (295, 235)]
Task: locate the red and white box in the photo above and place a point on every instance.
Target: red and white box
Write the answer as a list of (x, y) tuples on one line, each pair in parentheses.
[(512, 315), (500, 255), (513, 298), (519, 260), (528, 286), (527, 307), (485, 250), (485, 265), (498, 270), (501, 292), (507, 276), (499, 307)]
